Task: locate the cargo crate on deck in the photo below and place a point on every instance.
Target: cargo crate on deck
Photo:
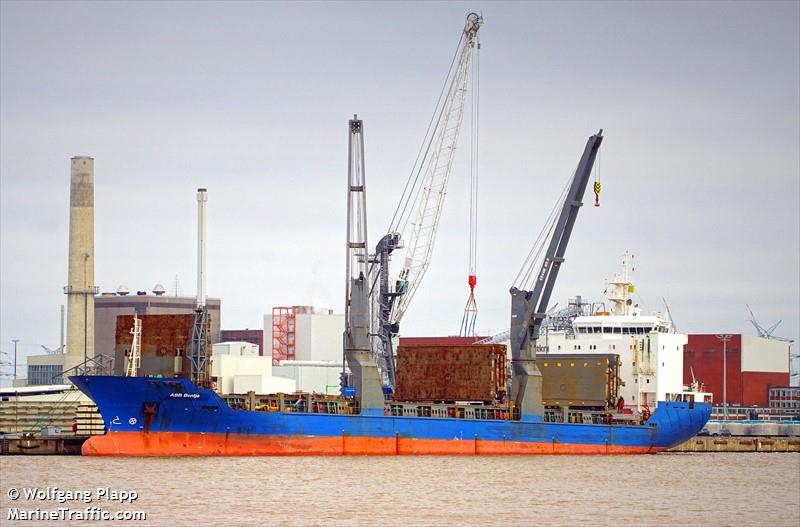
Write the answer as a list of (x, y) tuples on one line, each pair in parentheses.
[(451, 373)]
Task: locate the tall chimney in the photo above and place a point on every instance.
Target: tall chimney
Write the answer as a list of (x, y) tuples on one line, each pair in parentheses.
[(80, 289), (202, 198)]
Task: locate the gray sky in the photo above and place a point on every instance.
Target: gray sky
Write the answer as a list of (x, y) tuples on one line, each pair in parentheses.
[(700, 164)]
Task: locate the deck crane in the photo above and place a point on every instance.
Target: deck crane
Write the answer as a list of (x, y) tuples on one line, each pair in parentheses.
[(529, 307), (366, 379), (420, 207)]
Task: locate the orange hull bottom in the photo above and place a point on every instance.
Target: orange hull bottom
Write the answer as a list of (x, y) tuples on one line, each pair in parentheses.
[(198, 444)]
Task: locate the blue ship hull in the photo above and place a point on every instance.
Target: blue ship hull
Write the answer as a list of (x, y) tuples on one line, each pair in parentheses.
[(168, 417)]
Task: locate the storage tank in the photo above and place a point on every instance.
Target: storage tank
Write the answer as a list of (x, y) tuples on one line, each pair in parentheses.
[(739, 429), (765, 429), (789, 429), (713, 428)]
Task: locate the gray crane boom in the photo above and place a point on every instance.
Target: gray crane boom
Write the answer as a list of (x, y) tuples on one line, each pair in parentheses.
[(528, 308), (366, 379)]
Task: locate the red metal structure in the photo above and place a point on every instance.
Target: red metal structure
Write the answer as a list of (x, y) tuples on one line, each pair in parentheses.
[(283, 334)]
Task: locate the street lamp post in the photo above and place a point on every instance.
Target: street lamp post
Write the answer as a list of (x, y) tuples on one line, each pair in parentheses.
[(15, 357), (724, 338)]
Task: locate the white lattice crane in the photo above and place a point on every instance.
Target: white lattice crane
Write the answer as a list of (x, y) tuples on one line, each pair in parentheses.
[(416, 220)]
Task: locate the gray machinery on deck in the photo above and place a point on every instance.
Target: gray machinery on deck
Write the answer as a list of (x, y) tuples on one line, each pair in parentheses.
[(529, 307)]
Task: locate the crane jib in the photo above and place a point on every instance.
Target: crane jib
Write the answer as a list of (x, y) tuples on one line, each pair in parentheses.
[(534, 307), (421, 204)]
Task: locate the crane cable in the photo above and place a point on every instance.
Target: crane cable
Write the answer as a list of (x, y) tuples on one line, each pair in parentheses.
[(471, 309), (534, 259), (474, 131)]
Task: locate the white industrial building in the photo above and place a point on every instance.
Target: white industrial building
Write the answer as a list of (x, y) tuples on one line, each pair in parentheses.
[(305, 345), (238, 368)]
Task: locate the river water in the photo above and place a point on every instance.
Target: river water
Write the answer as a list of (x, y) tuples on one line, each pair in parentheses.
[(758, 489)]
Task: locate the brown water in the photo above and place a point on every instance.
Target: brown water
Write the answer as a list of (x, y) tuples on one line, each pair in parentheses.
[(666, 489)]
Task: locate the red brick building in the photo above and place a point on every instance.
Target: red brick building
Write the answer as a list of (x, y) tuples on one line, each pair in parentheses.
[(754, 365)]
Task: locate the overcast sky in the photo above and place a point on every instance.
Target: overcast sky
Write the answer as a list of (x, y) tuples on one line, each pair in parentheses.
[(700, 163)]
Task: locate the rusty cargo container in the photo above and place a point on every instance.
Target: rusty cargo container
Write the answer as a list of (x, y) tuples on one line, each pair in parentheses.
[(166, 344), (451, 373), (579, 380)]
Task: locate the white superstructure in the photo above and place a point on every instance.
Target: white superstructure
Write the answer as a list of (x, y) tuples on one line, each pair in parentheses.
[(650, 350)]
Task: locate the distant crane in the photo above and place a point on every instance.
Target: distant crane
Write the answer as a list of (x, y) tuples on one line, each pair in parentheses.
[(669, 314), (420, 208), (765, 332)]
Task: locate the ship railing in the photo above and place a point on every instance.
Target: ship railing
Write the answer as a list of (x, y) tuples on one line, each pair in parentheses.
[(100, 364), (296, 403), (628, 414), (497, 412)]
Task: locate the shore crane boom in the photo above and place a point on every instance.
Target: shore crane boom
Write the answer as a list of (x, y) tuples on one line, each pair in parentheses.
[(422, 198), (529, 308)]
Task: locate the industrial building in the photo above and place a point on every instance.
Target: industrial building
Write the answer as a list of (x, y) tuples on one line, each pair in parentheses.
[(785, 398), (43, 369), (306, 346), (237, 368), (47, 368), (164, 347), (754, 365), (109, 306), (253, 336)]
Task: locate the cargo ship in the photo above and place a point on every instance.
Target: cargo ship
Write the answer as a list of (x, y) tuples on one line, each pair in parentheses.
[(175, 417), (569, 406)]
